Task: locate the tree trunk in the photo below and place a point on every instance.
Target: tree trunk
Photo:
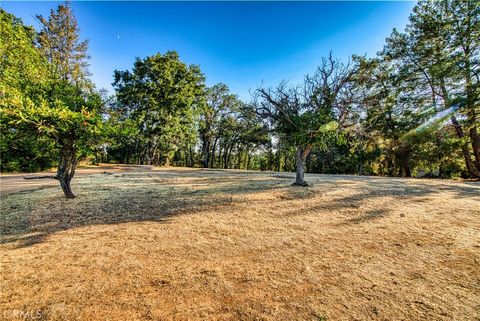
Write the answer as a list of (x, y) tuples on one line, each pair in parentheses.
[(475, 145), (66, 168), (229, 154), (470, 92), (402, 157), (405, 168), (212, 158), (224, 156), (192, 157), (302, 153), (205, 152), (472, 170)]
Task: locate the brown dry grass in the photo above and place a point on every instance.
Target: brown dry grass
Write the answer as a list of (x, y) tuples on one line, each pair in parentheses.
[(229, 245)]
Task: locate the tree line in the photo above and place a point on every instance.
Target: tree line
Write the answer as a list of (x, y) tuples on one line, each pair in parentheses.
[(410, 111)]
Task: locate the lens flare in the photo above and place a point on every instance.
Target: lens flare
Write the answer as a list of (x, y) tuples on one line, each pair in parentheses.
[(433, 121)]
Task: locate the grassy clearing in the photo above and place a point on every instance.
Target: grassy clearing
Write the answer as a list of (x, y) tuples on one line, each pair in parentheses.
[(204, 244)]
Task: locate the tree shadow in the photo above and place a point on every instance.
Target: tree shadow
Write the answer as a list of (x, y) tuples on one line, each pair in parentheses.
[(365, 191), (28, 218), (369, 216)]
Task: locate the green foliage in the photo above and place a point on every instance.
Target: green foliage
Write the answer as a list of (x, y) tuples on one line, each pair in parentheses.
[(162, 96), (412, 110), (59, 41), (23, 71), (40, 113)]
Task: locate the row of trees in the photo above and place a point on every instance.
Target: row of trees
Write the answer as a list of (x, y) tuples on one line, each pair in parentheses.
[(413, 109), (164, 114)]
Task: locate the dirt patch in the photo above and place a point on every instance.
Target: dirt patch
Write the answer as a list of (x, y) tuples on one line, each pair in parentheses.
[(214, 245)]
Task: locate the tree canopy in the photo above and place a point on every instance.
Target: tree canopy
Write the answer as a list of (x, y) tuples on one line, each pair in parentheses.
[(38, 106), (412, 110)]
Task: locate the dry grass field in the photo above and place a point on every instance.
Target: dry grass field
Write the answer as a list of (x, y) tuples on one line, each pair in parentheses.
[(187, 244)]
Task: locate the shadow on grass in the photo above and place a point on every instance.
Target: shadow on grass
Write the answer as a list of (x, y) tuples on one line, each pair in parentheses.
[(28, 218), (363, 191)]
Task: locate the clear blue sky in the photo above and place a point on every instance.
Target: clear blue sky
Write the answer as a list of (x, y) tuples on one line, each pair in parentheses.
[(237, 43)]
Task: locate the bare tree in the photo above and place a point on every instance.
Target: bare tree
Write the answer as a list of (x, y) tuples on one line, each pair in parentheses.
[(312, 113)]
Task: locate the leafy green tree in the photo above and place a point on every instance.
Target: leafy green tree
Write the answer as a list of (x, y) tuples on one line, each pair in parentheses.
[(72, 120), (39, 102), (254, 136), (219, 102), (438, 55), (387, 114), (71, 115), (59, 41), (463, 19), (22, 70), (240, 132), (162, 96)]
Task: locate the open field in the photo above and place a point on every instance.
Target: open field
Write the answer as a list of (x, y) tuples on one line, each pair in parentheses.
[(188, 244)]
